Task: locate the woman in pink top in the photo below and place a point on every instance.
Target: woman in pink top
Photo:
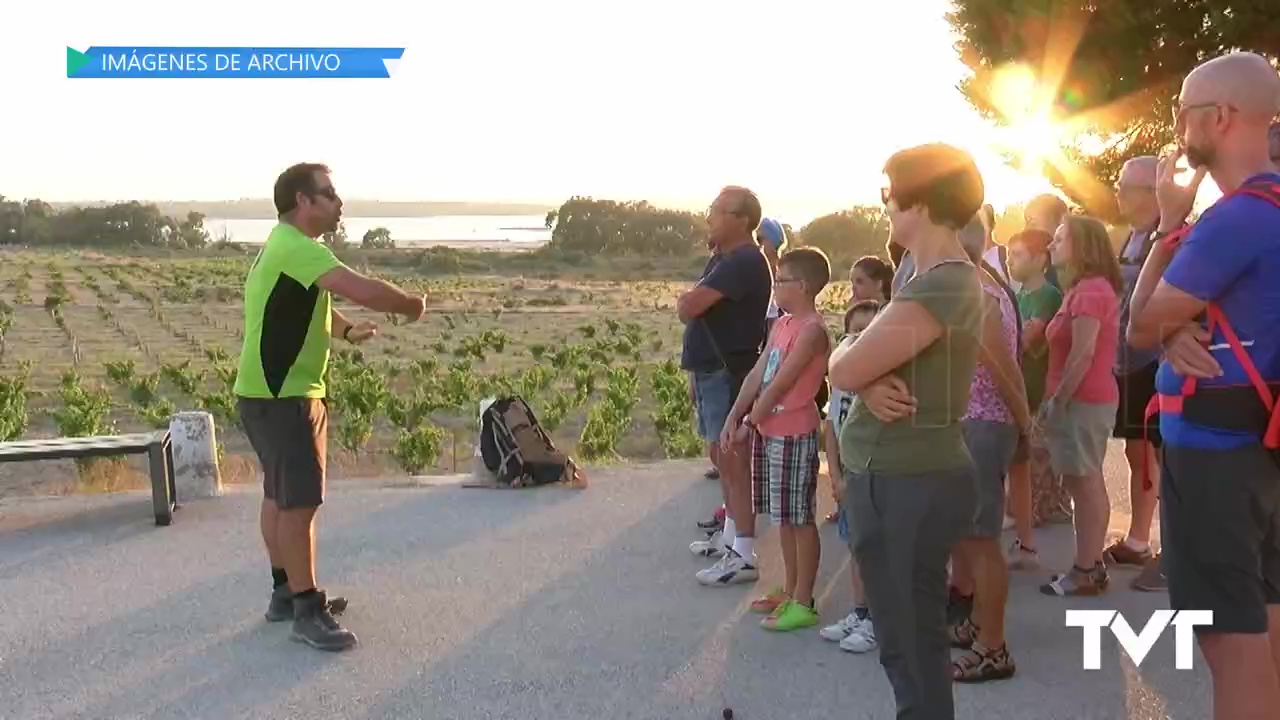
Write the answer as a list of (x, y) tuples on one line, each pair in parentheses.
[(1079, 407), (997, 415), (778, 399)]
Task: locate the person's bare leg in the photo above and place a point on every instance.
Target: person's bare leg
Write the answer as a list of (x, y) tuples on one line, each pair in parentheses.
[(1273, 634), (1142, 458), (808, 552), (962, 572), (735, 472), (1020, 502), (1091, 517), (1245, 683), (296, 538), (787, 537), (991, 588), (268, 520)]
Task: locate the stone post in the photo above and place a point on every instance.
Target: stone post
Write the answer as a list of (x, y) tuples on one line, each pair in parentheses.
[(195, 456)]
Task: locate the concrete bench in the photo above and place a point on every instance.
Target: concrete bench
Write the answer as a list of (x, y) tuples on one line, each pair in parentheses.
[(155, 445)]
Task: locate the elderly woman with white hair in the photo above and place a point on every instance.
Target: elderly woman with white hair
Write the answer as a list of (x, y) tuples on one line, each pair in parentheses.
[(997, 415)]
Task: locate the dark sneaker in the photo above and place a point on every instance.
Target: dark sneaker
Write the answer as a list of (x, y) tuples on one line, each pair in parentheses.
[(712, 474), (281, 606), (314, 625), (1152, 577), (715, 523)]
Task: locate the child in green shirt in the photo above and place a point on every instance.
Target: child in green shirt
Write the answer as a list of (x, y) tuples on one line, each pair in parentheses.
[(1038, 302)]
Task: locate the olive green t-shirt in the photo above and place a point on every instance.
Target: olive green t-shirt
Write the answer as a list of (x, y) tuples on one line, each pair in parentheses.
[(939, 378), (287, 318)]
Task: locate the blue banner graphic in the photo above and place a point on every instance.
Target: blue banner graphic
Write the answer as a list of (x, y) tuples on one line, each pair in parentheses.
[(230, 62)]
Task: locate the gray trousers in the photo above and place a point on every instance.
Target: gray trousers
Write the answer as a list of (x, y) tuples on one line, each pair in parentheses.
[(904, 527)]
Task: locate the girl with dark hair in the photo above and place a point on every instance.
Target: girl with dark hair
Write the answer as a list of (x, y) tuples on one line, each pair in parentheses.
[(871, 279)]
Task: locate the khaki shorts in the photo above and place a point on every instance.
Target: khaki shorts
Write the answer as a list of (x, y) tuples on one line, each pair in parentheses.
[(1076, 434)]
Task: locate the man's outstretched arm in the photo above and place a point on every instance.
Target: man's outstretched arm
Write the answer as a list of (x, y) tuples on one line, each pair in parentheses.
[(372, 293)]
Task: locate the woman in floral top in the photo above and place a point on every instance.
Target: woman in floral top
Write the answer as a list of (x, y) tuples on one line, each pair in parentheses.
[(997, 415)]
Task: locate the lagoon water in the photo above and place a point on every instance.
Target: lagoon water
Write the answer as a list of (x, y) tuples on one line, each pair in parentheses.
[(405, 231)]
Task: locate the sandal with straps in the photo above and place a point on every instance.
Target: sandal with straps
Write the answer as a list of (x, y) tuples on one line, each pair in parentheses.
[(1077, 583), (980, 665), (962, 634)]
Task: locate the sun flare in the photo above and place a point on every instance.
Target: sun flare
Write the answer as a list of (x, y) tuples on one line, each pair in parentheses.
[(1030, 133)]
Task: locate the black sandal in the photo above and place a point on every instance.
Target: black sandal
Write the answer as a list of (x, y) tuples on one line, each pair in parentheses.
[(980, 665), (962, 634)]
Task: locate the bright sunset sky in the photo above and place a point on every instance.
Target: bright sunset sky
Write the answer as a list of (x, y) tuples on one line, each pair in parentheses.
[(500, 100)]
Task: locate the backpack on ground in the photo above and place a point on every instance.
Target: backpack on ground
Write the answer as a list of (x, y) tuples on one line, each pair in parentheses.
[(518, 452), (1236, 409)]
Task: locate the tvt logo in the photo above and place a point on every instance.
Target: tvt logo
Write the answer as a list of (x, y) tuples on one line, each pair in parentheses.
[(1137, 645)]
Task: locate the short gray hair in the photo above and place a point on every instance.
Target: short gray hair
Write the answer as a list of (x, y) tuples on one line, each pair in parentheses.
[(973, 238)]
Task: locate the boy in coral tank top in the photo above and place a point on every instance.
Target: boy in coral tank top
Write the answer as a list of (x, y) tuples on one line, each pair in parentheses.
[(776, 412)]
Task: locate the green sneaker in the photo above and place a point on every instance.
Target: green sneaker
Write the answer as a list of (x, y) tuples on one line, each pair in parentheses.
[(791, 616)]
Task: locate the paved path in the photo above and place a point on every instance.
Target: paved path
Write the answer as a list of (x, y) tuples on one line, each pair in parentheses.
[(476, 604)]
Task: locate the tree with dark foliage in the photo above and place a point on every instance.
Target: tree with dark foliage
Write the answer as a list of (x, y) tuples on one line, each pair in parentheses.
[(1112, 69)]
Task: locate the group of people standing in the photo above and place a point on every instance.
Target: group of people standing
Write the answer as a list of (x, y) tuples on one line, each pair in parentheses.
[(975, 390)]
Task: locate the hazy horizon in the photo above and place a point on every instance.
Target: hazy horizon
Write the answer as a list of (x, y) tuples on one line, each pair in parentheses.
[(504, 100)]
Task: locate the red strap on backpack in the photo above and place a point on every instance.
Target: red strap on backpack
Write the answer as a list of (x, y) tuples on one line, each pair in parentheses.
[(1172, 404), (1271, 437)]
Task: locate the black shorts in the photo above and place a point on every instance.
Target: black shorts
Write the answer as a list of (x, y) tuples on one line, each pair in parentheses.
[(290, 437), (1223, 534), (1136, 390)]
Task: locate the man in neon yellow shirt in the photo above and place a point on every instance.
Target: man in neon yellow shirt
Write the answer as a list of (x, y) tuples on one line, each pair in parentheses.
[(289, 319)]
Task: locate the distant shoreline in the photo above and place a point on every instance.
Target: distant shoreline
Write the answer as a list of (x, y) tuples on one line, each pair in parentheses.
[(264, 209), (513, 246)]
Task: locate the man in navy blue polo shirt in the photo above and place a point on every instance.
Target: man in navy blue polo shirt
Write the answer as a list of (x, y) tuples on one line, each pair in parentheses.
[(724, 317), (1220, 486)]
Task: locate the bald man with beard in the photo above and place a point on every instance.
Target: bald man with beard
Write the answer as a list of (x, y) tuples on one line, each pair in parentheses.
[(1220, 486)]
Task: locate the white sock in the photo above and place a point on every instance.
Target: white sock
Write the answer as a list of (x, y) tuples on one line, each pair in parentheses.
[(730, 531), (1135, 545), (746, 547)]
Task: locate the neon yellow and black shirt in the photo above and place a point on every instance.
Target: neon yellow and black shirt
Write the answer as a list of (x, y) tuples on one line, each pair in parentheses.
[(287, 318)]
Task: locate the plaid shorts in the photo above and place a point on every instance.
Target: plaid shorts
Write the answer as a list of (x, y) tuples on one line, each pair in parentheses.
[(784, 477)]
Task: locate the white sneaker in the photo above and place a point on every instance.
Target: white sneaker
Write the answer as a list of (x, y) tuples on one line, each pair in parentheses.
[(1020, 558), (842, 629), (711, 547), (732, 569), (861, 640)]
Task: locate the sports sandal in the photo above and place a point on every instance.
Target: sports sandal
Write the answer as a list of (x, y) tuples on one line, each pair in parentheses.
[(1080, 582), (962, 634), (979, 665)]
